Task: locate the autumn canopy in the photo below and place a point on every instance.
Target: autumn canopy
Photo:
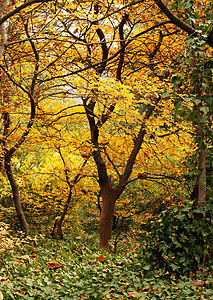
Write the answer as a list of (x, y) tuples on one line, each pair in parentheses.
[(106, 108)]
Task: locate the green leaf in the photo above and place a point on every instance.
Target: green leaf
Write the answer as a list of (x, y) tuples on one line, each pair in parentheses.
[(204, 109), (197, 101)]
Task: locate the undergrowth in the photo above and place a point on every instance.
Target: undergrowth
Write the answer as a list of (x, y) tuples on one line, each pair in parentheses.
[(76, 269)]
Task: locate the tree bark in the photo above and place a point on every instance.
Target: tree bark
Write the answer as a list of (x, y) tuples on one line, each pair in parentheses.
[(109, 198), (19, 8), (3, 29), (57, 229), (111, 194), (181, 24), (202, 178), (15, 192)]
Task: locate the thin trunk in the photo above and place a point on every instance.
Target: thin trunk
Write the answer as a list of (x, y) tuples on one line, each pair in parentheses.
[(57, 230), (202, 178), (200, 134), (3, 29), (15, 191)]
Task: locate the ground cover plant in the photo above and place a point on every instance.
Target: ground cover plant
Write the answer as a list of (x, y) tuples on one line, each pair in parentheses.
[(40, 268)]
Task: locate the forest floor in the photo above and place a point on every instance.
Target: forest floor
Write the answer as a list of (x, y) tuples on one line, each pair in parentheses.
[(75, 268)]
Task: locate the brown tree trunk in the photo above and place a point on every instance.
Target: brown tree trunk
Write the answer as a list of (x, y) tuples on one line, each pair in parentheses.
[(202, 178), (109, 198), (15, 192), (57, 230)]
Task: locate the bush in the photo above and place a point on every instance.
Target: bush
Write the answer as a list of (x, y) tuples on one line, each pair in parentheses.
[(180, 237)]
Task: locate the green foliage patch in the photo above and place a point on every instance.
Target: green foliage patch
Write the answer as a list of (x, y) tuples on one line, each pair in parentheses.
[(74, 269), (182, 239)]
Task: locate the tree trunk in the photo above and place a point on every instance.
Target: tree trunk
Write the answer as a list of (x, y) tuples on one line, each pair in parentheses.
[(202, 178), (15, 192), (57, 230), (3, 29), (109, 198)]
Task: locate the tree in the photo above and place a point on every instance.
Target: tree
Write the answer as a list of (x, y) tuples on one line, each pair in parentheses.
[(16, 89), (110, 191), (194, 85), (114, 60)]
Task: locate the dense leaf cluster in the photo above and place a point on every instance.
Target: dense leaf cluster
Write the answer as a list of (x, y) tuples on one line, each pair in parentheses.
[(182, 239), (86, 273)]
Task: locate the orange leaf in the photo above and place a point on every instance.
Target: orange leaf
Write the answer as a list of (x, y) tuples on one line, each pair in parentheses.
[(54, 265), (20, 292), (100, 259), (115, 297), (33, 255), (197, 282), (132, 295), (18, 262), (142, 176)]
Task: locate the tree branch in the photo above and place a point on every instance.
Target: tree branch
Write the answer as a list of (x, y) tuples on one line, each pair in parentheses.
[(105, 51), (122, 43), (19, 8), (178, 22), (3, 29)]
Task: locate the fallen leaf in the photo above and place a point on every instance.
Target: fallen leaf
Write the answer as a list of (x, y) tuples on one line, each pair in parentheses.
[(33, 255), (84, 295), (17, 261), (100, 259), (115, 297), (25, 257), (197, 282), (132, 295), (20, 292), (54, 265)]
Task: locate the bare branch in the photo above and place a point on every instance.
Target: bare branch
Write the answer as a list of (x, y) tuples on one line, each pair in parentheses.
[(20, 7)]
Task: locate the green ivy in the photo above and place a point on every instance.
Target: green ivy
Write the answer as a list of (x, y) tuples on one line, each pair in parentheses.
[(180, 239)]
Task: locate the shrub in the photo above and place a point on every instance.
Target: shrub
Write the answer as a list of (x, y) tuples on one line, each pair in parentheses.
[(180, 237)]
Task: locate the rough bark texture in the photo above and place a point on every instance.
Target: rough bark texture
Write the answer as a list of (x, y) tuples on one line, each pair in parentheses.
[(15, 192)]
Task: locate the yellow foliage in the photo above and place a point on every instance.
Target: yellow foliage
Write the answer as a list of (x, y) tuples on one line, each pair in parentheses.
[(7, 242)]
